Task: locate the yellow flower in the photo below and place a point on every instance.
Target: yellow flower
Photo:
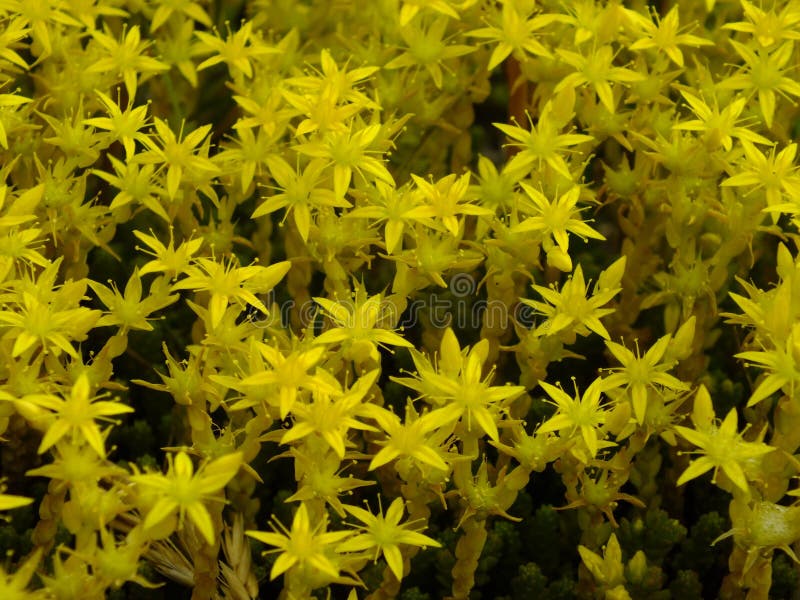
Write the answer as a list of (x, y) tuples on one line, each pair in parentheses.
[(583, 413), (299, 192), (640, 374), (290, 374), (333, 85), (135, 184), (768, 27), (427, 48), (14, 31), (47, 317), (117, 562), (776, 174), (765, 74), (320, 477), (183, 156), (75, 466), (719, 126), (460, 389), (166, 8), (570, 309), (543, 142), (444, 200), (515, 33), (187, 492), (781, 364), (397, 207), (721, 444), (384, 534), (246, 155), (168, 259), (349, 151), (411, 8), (227, 282), (360, 325), (125, 57), (13, 586), (75, 415), (129, 310), (410, 438), (125, 126), (331, 416), (303, 545), (556, 219), (42, 17), (596, 70), (665, 35), (235, 50)]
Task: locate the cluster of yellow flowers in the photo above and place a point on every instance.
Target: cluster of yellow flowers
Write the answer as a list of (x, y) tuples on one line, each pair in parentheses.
[(307, 206)]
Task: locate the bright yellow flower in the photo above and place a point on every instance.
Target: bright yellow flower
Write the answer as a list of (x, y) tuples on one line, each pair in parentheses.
[(410, 438), (596, 70), (775, 174), (641, 375), (396, 207), (412, 8), (515, 33), (426, 47), (303, 545), (555, 220), (331, 416), (360, 325), (290, 373), (167, 259), (335, 85), (384, 534), (129, 310), (765, 74), (186, 491), (300, 191), (236, 51), (182, 156), (166, 8), (43, 17), (135, 184), (460, 389), (125, 57), (584, 414), (664, 35), (349, 151), (75, 415), (719, 127), (14, 586), (543, 142), (446, 199), (571, 309), (780, 363), (227, 282), (125, 126), (721, 444), (769, 27)]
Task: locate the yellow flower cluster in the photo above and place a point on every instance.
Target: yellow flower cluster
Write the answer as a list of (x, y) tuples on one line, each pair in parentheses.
[(371, 241)]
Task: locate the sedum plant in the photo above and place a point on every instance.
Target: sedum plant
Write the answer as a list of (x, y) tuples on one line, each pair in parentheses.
[(399, 299)]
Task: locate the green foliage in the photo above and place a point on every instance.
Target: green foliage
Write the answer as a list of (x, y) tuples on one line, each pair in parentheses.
[(656, 534)]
